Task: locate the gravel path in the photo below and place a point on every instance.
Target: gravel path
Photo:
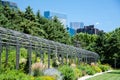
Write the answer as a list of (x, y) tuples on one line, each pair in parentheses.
[(89, 76)]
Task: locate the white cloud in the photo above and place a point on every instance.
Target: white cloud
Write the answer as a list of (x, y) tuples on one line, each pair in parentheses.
[(97, 23)]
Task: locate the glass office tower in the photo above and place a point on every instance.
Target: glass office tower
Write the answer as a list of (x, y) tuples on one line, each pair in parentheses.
[(61, 17)]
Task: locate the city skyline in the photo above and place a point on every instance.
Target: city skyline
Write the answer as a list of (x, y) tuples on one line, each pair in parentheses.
[(104, 14)]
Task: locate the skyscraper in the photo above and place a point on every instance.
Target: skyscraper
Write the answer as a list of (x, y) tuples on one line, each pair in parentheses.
[(10, 4), (76, 25), (61, 17)]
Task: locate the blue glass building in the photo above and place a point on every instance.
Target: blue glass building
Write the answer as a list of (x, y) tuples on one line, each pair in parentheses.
[(61, 17), (71, 31), (76, 25)]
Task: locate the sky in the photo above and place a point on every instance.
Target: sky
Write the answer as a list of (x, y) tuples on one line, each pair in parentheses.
[(104, 14)]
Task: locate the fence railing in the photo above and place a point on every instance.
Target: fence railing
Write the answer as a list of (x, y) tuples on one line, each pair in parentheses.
[(20, 40)]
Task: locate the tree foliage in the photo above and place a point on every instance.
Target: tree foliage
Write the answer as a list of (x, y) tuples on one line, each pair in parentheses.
[(34, 24), (107, 45), (84, 39)]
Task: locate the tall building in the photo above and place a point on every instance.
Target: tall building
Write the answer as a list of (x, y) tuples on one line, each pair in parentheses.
[(61, 17), (10, 4), (71, 31), (76, 25), (89, 29)]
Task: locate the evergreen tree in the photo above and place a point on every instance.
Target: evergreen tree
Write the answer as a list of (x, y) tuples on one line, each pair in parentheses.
[(37, 25), (29, 14), (55, 31), (41, 20)]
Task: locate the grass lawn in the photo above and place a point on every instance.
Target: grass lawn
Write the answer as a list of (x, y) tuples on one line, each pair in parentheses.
[(114, 75)]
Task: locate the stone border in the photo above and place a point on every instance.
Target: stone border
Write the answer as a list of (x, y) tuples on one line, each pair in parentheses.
[(90, 76)]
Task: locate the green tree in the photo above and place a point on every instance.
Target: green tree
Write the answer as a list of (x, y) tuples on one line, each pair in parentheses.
[(113, 42), (99, 45), (29, 14), (28, 22), (41, 20), (55, 31), (84, 39), (107, 45)]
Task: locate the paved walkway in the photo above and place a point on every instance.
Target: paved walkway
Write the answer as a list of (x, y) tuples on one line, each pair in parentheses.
[(89, 76)]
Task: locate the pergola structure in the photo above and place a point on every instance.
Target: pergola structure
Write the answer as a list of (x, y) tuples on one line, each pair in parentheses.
[(18, 40)]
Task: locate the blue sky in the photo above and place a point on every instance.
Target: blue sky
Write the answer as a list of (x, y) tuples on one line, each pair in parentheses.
[(104, 14)]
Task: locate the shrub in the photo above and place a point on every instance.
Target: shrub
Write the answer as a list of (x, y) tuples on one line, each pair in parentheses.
[(14, 75), (23, 53), (67, 72), (53, 72), (37, 69), (44, 78), (96, 69), (89, 70), (77, 72), (86, 69), (11, 57), (82, 68), (104, 67)]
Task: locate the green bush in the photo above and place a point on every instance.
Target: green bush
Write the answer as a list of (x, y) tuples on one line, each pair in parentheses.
[(104, 67), (14, 75), (11, 59), (82, 68), (86, 69), (45, 78), (37, 72), (77, 72), (89, 70), (67, 72), (96, 69)]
